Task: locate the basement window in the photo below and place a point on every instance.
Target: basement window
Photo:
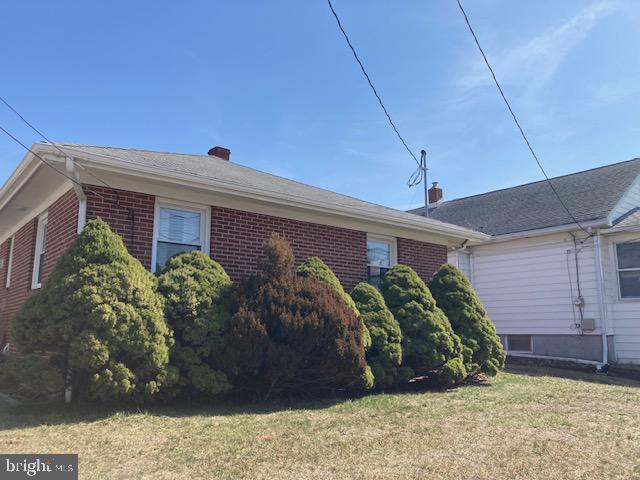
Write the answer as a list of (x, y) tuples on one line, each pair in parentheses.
[(177, 229), (519, 343), (381, 256), (41, 244), (9, 264), (629, 269)]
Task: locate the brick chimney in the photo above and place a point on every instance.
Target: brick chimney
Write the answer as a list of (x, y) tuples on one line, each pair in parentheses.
[(220, 152), (435, 194)]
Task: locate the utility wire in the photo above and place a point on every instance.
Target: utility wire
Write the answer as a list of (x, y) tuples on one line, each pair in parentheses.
[(366, 75), (515, 119), (15, 139), (44, 137)]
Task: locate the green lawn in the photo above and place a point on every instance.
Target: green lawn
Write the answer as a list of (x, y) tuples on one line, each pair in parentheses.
[(528, 424)]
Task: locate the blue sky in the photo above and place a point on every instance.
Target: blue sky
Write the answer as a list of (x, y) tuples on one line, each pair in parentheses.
[(275, 82)]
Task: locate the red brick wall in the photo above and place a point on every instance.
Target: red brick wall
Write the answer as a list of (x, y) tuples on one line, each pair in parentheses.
[(62, 229), (237, 238), (129, 214), (236, 242), (424, 258), (62, 226)]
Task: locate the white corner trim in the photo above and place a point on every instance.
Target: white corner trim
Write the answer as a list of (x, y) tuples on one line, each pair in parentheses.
[(40, 248), (205, 226)]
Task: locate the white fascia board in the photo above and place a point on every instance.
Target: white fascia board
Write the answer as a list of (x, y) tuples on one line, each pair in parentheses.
[(107, 163), (547, 231)]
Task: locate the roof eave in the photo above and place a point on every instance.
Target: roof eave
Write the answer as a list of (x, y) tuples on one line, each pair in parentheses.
[(109, 163), (570, 227)]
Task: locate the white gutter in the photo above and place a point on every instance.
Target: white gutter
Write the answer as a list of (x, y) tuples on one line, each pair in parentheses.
[(82, 198), (412, 221), (603, 222), (601, 297)]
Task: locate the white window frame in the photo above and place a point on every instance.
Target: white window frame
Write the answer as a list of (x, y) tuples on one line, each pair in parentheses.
[(9, 263), (509, 350), (205, 223), (392, 241), (618, 270), (40, 249)]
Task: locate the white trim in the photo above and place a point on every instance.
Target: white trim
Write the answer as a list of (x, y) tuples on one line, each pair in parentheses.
[(506, 343), (40, 248), (545, 231), (205, 226), (118, 165), (633, 185), (618, 270), (393, 243), (37, 210), (9, 263)]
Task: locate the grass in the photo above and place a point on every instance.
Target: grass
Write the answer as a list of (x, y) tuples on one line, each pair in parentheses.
[(528, 424)]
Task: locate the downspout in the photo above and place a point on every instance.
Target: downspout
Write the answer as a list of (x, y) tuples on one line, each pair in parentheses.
[(602, 297), (77, 187), (82, 218)]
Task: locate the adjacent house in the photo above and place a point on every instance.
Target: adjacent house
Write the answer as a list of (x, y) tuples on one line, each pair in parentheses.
[(555, 289), (164, 203)]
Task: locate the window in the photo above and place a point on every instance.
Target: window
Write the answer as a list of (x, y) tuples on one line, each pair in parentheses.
[(519, 343), (9, 264), (41, 244), (179, 229), (629, 269), (381, 256)]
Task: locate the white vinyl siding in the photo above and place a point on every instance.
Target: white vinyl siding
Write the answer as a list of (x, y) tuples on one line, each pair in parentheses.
[(623, 313), (525, 288), (462, 260)]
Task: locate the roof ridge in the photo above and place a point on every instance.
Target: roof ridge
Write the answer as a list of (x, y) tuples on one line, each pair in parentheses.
[(542, 181)]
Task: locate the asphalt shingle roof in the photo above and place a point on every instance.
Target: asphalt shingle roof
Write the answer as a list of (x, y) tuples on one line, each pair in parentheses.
[(211, 167), (589, 195)]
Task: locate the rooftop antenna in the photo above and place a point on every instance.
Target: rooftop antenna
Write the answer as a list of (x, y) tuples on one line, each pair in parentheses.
[(423, 167)]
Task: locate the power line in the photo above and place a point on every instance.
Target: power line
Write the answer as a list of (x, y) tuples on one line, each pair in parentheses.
[(515, 119), (44, 137), (73, 180), (375, 92)]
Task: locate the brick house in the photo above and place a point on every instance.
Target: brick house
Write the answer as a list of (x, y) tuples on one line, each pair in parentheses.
[(165, 203)]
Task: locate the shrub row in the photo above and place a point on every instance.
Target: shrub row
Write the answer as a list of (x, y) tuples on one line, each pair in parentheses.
[(116, 332)]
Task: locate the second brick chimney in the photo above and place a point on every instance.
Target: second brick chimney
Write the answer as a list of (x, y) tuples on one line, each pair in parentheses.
[(220, 152), (435, 194)]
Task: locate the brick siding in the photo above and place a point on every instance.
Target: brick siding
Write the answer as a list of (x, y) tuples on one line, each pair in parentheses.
[(424, 258), (62, 224), (236, 242), (129, 214), (237, 238)]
